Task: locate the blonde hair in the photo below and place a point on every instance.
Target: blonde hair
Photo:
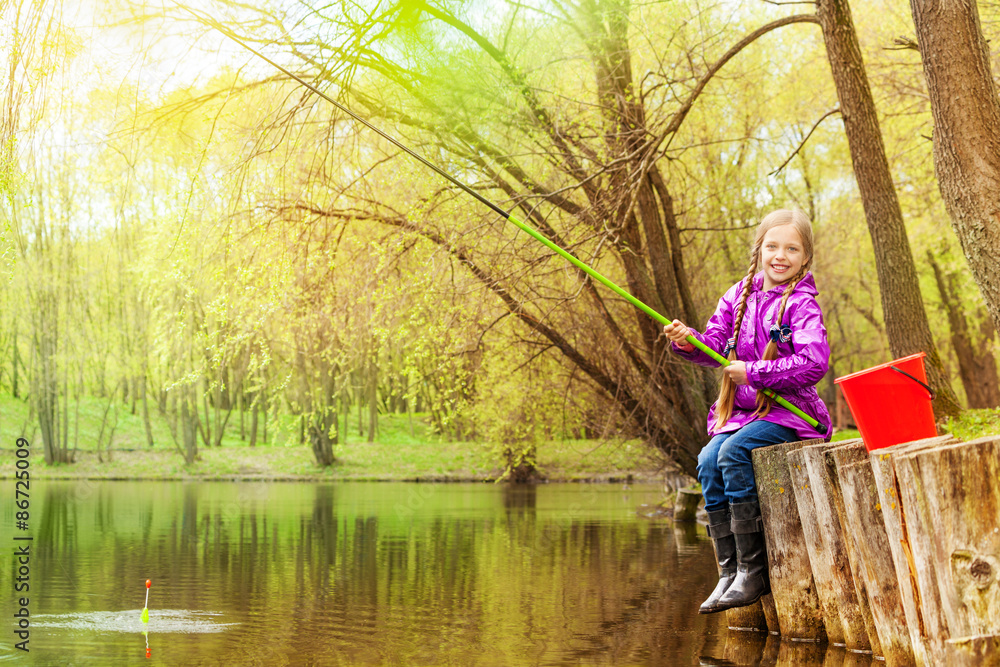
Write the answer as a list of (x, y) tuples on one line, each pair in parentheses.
[(795, 217)]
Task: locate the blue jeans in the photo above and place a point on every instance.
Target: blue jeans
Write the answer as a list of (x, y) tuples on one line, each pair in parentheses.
[(725, 469)]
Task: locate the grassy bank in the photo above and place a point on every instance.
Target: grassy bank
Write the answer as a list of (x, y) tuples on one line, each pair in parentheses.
[(558, 461), (405, 448)]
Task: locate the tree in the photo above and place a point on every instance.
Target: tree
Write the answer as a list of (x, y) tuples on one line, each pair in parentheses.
[(966, 110), (583, 164), (902, 305), (976, 364)]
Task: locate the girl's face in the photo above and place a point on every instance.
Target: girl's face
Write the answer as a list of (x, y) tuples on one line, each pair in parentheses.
[(782, 255)]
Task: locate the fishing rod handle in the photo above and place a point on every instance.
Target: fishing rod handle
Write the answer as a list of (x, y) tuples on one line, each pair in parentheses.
[(821, 428)]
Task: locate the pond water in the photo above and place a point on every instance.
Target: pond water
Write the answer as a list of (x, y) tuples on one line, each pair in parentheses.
[(370, 574)]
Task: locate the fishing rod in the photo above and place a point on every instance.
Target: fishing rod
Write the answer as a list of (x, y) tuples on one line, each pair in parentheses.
[(527, 229)]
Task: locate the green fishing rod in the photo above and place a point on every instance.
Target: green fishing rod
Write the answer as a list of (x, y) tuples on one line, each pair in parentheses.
[(527, 229)]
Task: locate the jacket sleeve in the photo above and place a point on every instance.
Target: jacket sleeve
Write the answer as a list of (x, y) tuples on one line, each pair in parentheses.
[(810, 356), (717, 332)]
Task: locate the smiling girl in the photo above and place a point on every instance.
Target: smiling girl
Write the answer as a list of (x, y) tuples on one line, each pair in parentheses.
[(770, 327)]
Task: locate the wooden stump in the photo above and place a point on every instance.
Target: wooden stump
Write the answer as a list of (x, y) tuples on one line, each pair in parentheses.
[(819, 561), (915, 526), (747, 619), (771, 614), (834, 556), (976, 651), (923, 630), (686, 504), (792, 584), (851, 451), (864, 520), (961, 494)]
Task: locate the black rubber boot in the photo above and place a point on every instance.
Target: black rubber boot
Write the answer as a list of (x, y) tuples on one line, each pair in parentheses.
[(752, 580), (720, 531)]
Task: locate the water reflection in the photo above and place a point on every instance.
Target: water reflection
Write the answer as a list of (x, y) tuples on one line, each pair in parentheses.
[(368, 573), (766, 650)]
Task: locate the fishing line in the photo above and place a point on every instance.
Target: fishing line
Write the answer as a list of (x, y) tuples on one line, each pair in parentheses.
[(821, 428)]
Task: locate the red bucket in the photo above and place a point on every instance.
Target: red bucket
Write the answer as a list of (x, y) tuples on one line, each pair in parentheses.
[(891, 403)]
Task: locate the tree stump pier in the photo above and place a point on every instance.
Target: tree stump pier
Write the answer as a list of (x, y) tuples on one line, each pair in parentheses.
[(792, 585), (864, 522), (833, 557), (958, 488), (925, 629), (894, 552), (821, 564)]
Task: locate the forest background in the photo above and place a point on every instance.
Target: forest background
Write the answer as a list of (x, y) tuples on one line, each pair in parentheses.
[(192, 241)]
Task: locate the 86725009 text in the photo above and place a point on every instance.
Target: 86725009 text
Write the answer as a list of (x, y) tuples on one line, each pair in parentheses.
[(22, 551)]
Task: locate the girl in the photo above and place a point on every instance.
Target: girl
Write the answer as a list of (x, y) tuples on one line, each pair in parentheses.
[(771, 329)]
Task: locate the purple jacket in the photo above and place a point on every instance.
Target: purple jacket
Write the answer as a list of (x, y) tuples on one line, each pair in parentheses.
[(802, 361)]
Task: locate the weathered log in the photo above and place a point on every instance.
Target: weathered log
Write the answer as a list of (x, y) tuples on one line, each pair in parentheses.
[(792, 584), (747, 619), (978, 651), (819, 561), (771, 614), (915, 526), (961, 489), (834, 556), (851, 451), (925, 633), (864, 517), (686, 504)]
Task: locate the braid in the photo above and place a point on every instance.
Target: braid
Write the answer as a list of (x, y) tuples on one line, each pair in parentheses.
[(741, 308), (771, 351), (727, 391)]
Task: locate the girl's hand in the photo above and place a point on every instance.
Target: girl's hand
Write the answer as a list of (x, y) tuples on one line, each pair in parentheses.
[(677, 332), (737, 372)]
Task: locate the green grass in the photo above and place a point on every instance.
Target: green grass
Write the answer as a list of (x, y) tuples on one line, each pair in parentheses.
[(845, 434), (405, 448), (973, 424), (969, 425)]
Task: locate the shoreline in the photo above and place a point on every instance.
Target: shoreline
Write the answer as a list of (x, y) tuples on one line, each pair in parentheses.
[(357, 463)]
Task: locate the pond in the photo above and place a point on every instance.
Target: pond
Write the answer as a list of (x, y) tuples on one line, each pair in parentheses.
[(370, 574)]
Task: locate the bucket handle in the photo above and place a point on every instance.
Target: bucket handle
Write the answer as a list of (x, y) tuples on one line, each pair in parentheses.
[(930, 391)]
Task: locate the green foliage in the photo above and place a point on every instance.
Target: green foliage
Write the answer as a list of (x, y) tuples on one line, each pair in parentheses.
[(973, 424), (225, 243)]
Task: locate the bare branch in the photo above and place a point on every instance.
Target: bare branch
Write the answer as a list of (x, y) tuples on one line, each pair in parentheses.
[(805, 139)]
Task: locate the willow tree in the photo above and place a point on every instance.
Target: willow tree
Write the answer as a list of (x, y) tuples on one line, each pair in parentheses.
[(579, 158)]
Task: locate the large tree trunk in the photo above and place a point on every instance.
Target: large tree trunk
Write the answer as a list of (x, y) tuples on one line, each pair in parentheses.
[(966, 110), (976, 364), (903, 308)]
